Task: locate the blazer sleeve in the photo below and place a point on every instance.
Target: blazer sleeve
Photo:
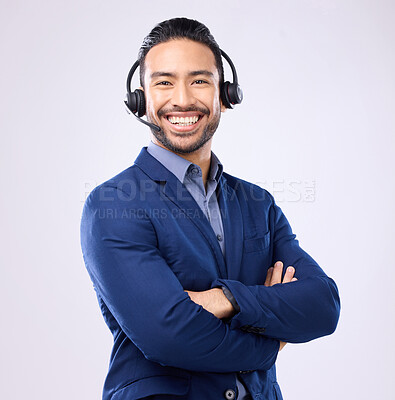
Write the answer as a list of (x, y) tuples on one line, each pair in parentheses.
[(294, 312), (149, 303)]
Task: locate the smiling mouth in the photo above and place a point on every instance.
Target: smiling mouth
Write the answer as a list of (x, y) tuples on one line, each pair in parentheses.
[(184, 121)]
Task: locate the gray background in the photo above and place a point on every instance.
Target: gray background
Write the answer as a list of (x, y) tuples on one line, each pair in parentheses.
[(316, 128)]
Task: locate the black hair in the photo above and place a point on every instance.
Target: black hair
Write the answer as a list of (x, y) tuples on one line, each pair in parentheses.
[(180, 28)]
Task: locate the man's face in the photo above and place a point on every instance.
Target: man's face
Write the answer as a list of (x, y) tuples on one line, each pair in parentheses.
[(182, 94)]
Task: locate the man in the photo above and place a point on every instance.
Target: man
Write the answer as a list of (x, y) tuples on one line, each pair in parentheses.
[(187, 260)]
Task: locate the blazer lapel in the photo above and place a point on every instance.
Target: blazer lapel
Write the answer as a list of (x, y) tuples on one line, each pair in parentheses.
[(187, 205), (184, 203), (232, 222)]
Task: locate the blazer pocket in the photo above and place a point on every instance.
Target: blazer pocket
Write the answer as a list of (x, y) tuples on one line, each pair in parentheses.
[(257, 244), (153, 385)]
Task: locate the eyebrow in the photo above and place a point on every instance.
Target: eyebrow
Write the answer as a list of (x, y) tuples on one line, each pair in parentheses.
[(192, 73)]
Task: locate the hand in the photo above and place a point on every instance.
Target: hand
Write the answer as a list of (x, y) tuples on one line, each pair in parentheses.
[(282, 344), (274, 276), (214, 301)]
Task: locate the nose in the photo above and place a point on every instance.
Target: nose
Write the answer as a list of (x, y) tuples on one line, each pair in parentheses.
[(182, 96)]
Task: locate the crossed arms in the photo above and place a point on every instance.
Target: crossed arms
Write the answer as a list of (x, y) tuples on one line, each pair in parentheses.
[(215, 301), (149, 303), (303, 309)]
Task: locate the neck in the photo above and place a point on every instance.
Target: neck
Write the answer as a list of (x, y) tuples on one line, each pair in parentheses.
[(200, 157)]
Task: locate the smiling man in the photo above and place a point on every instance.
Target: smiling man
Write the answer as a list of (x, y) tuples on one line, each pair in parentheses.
[(187, 260)]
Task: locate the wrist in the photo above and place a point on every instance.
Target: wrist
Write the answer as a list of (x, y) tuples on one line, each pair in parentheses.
[(228, 294), (227, 308)]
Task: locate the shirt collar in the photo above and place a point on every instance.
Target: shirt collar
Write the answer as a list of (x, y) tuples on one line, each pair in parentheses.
[(178, 165), (216, 168)]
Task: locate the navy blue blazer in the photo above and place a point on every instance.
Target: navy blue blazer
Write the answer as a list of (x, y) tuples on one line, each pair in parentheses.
[(145, 240)]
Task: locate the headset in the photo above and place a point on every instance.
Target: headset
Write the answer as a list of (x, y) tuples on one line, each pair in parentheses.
[(231, 94)]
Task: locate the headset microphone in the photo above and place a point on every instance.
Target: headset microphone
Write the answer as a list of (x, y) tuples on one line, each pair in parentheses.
[(230, 93), (153, 126)]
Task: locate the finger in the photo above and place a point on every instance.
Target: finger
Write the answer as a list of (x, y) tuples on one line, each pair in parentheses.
[(289, 274), (277, 273), (293, 279), (269, 276)]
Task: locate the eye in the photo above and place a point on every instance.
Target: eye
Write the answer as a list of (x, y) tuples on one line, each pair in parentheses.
[(164, 83), (200, 81)]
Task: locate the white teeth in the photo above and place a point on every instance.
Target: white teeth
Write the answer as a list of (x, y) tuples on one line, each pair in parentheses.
[(183, 121)]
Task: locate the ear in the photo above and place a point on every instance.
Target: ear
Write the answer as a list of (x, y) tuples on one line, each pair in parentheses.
[(141, 88)]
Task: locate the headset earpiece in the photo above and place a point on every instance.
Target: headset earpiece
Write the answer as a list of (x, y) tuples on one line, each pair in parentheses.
[(231, 94), (135, 102)]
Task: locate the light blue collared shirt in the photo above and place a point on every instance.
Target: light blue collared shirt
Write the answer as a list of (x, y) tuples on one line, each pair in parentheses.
[(190, 175)]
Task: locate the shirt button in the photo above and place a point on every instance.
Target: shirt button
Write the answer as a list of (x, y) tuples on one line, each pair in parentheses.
[(230, 394), (219, 237), (194, 170)]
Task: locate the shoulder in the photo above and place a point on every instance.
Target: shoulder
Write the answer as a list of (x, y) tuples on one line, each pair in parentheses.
[(125, 183), (119, 193), (116, 206)]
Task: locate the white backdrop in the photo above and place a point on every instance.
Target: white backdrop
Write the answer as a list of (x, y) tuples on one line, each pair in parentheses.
[(316, 128)]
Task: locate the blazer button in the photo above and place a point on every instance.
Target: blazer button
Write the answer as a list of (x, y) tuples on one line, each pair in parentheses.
[(230, 394), (245, 328)]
